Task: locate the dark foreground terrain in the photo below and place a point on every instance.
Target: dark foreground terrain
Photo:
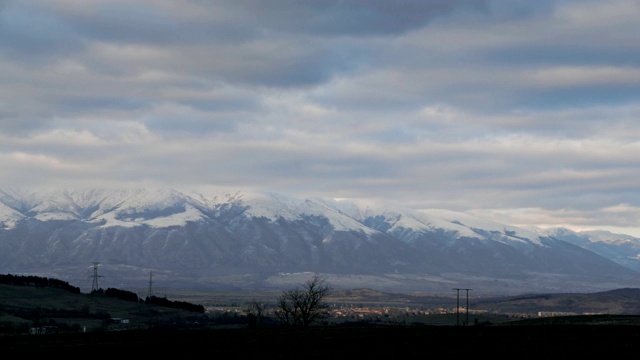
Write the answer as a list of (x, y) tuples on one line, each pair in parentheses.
[(512, 341), (91, 324)]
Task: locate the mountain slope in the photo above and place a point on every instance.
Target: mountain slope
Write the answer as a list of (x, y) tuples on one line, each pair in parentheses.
[(261, 239), (623, 249)]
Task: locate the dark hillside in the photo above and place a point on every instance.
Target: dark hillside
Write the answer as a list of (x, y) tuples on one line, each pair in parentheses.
[(624, 301), (42, 308)]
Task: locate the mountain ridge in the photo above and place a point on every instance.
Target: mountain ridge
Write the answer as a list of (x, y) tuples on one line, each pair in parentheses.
[(205, 239)]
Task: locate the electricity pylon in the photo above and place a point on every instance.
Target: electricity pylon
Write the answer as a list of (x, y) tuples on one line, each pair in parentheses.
[(95, 286), (150, 291)]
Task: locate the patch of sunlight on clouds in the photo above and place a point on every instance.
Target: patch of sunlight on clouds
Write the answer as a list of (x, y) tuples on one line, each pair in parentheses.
[(40, 160)]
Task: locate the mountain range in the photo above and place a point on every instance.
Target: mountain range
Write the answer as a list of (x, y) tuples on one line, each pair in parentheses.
[(165, 238)]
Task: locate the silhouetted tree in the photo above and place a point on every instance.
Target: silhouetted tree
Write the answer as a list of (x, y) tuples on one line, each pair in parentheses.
[(256, 313), (303, 306)]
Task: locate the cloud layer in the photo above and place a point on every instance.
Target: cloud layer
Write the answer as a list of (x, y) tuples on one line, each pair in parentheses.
[(520, 111)]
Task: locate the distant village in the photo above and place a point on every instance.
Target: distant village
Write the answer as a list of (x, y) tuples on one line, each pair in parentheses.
[(390, 315)]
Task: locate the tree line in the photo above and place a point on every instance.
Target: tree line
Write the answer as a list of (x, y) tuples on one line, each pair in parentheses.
[(155, 300), (30, 280)]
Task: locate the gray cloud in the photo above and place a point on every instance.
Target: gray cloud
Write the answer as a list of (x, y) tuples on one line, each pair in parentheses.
[(34, 36), (520, 111), (346, 18)]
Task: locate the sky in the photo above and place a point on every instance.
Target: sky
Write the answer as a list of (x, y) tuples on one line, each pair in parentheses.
[(522, 112)]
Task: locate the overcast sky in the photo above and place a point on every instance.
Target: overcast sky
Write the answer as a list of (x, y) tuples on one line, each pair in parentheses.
[(524, 112)]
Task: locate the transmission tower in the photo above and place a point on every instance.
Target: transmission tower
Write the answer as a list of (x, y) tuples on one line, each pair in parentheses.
[(94, 286), (150, 291)]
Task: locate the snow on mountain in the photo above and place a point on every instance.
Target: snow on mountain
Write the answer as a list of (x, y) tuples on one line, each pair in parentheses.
[(13, 204), (458, 224), (168, 207), (593, 236), (189, 207), (273, 206), (473, 223), (391, 217), (127, 208), (205, 235), (158, 208), (9, 217), (609, 237), (623, 249), (132, 219)]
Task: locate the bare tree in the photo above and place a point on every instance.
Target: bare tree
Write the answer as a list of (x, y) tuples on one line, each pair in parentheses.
[(256, 313), (303, 306)]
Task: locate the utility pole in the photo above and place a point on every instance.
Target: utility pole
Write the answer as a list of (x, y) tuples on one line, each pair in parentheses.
[(458, 306)]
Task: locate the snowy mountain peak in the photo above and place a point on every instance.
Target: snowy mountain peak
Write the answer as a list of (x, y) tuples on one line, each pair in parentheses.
[(206, 234), (168, 207)]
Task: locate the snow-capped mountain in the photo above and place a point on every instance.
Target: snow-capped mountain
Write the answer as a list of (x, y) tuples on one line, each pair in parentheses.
[(623, 249), (266, 240)]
